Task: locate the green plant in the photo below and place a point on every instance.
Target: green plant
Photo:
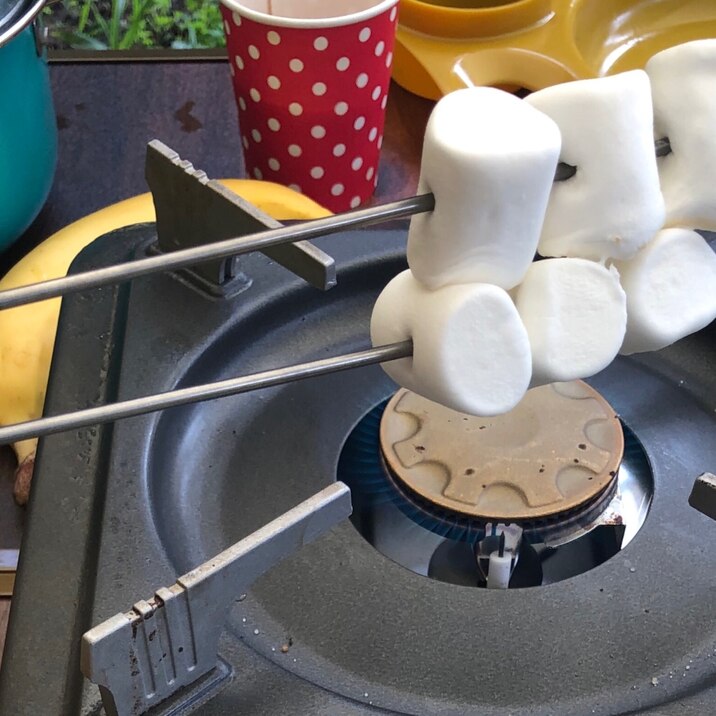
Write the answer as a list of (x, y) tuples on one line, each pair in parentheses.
[(121, 25), (202, 24)]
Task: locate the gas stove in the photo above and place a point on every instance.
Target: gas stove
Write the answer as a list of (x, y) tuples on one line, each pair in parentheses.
[(608, 575), (545, 492)]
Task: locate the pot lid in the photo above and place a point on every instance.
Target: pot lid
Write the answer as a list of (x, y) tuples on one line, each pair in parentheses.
[(15, 15)]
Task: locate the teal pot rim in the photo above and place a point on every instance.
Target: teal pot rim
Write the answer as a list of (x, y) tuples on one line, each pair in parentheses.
[(19, 19)]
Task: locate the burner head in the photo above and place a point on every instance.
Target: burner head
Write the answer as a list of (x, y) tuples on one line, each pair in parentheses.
[(552, 457)]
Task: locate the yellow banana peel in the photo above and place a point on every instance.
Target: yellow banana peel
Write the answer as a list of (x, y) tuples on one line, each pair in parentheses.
[(27, 333)]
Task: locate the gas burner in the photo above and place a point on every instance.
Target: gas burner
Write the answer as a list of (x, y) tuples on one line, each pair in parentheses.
[(554, 458), (523, 499)]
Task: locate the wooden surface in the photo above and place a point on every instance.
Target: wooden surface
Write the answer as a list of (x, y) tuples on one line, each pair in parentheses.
[(106, 114), (4, 614)]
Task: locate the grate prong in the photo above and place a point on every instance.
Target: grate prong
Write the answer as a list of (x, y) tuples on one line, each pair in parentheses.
[(703, 495), (142, 657)]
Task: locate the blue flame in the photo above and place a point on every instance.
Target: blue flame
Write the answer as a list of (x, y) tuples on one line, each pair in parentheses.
[(361, 467)]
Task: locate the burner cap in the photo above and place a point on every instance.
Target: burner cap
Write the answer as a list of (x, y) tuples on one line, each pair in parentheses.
[(557, 451)]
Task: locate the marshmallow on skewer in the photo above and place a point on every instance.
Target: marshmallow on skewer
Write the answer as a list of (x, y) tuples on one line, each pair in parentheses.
[(470, 349), (670, 287), (489, 159), (575, 314), (613, 204), (683, 83)]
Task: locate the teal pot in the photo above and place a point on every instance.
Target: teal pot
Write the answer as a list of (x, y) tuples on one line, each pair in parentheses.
[(28, 132)]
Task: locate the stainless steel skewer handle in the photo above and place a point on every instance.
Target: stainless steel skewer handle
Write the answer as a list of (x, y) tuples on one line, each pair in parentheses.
[(184, 396), (141, 657)]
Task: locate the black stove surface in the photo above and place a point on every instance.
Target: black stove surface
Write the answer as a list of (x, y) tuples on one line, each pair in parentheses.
[(118, 511)]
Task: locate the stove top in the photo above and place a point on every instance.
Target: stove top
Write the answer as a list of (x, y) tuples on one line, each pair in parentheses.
[(338, 628)]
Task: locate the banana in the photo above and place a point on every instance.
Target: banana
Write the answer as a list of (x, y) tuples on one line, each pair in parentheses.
[(27, 333)]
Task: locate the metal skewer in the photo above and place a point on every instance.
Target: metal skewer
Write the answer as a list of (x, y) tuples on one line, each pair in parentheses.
[(184, 396), (221, 249), (565, 171), (241, 245)]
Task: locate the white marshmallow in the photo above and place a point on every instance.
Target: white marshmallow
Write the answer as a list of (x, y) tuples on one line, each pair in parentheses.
[(683, 81), (575, 314), (613, 204), (671, 290), (490, 159), (470, 349)]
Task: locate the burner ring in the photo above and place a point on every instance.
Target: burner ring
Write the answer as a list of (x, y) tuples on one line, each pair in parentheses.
[(552, 461), (466, 528)]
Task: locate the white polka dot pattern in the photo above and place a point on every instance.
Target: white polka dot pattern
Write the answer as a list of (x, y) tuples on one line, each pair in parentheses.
[(312, 103)]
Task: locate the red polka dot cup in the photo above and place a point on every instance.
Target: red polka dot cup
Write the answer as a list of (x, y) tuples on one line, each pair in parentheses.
[(311, 83)]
